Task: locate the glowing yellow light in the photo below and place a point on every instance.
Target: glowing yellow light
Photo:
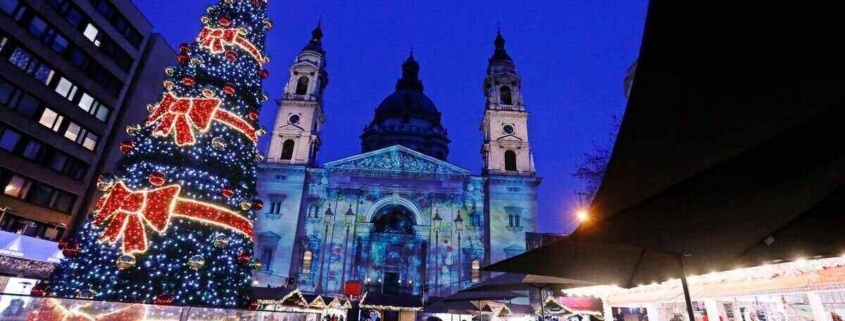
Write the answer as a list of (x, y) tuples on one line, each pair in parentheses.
[(583, 215)]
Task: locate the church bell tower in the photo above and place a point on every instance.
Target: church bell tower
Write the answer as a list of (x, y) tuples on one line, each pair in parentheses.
[(506, 149), (296, 133)]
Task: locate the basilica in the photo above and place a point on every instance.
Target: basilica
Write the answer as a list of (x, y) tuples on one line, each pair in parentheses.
[(398, 217)]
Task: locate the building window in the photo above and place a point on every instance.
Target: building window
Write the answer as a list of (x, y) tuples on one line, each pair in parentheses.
[(32, 150), (275, 208), (81, 136), (287, 149), (475, 270), (307, 259), (91, 33), (266, 258), (510, 161), (93, 107), (302, 85), (66, 89), (9, 139), (505, 96), (51, 119), (38, 193), (16, 187)]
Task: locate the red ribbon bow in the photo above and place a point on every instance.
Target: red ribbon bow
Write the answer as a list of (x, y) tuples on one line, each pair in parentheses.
[(129, 210), (216, 41), (178, 114)]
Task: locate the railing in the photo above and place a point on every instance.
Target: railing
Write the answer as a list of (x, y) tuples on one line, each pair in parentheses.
[(20, 307)]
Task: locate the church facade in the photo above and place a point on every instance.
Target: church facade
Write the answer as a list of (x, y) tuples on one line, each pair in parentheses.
[(398, 217)]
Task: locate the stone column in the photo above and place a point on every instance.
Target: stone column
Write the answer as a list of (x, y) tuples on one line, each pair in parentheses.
[(712, 310), (818, 308), (652, 312), (606, 308)]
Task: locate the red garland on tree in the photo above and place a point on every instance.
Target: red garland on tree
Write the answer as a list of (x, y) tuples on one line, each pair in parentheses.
[(244, 258), (264, 74), (157, 178), (183, 58), (227, 191), (231, 55), (189, 81), (71, 249), (126, 146), (257, 204), (229, 89), (163, 299)]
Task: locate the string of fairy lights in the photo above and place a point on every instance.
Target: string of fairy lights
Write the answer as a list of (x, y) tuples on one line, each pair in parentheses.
[(175, 224)]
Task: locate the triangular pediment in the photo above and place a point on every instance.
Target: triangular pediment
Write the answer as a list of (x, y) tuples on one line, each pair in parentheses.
[(399, 160)]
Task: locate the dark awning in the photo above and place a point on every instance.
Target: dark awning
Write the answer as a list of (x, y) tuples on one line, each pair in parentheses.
[(731, 148)]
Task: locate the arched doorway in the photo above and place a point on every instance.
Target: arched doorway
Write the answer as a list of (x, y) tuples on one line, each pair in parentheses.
[(396, 256)]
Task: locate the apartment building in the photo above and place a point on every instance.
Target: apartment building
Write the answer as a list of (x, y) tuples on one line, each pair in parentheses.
[(71, 73)]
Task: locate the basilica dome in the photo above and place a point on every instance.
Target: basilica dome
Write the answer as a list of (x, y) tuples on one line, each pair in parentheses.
[(407, 117)]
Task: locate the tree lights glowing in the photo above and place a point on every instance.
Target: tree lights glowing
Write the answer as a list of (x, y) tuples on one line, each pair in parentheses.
[(175, 225)]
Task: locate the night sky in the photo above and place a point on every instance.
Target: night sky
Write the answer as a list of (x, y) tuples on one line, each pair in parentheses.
[(572, 56)]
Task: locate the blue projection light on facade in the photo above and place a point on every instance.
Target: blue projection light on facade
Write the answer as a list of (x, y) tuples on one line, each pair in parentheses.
[(398, 216)]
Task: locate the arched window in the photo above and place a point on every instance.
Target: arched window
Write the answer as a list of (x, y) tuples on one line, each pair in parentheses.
[(475, 272), (307, 258), (302, 85), (505, 96), (510, 161), (287, 149)]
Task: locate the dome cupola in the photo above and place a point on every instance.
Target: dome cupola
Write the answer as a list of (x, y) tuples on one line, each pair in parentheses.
[(407, 117)]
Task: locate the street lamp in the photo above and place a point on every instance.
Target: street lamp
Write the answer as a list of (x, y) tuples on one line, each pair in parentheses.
[(583, 215), (328, 216), (437, 220), (459, 226)]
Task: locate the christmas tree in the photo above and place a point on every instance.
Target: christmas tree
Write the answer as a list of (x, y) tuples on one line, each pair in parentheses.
[(175, 223)]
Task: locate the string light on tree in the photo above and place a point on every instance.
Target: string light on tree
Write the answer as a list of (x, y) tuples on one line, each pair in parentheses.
[(171, 228)]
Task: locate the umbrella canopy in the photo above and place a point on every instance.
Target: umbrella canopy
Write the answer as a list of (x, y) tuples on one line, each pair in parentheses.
[(730, 177), (524, 282), (481, 296), (717, 156)]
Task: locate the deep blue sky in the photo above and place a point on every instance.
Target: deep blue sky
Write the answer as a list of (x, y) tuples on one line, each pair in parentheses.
[(572, 56)]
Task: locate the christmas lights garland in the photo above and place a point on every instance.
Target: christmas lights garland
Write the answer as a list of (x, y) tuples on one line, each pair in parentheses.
[(179, 114), (217, 39), (127, 210)]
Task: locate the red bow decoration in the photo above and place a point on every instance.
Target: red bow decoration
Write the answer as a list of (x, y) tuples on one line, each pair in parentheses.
[(128, 212), (216, 40), (180, 114)]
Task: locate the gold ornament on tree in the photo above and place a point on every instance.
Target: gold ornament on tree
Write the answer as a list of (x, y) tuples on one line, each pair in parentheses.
[(218, 143), (196, 262), (125, 262), (221, 240)]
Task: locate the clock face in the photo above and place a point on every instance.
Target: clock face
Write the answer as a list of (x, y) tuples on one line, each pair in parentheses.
[(508, 129), (294, 119)]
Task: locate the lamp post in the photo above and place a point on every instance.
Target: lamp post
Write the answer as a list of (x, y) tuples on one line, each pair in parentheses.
[(459, 225), (437, 220), (328, 217), (349, 217), (3, 214)]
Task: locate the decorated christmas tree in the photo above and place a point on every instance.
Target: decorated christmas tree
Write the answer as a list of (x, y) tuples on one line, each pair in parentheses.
[(175, 223)]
